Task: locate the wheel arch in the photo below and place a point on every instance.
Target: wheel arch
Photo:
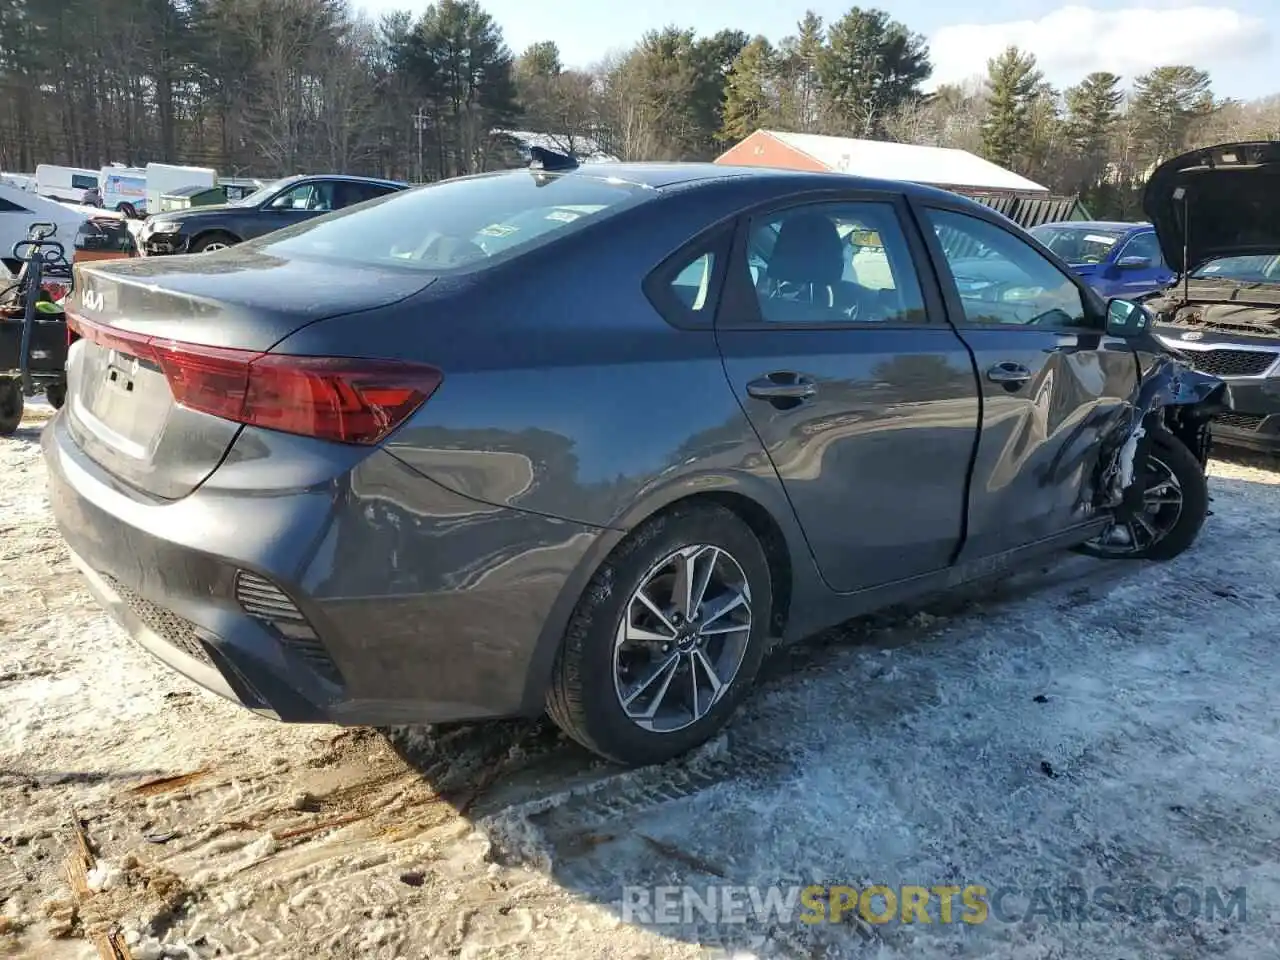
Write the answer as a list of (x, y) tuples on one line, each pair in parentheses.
[(761, 505), (216, 231)]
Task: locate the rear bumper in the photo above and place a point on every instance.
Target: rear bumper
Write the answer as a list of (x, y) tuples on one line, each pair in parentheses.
[(425, 606)]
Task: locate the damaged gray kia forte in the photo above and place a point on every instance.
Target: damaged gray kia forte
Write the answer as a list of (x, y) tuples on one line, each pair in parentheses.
[(592, 440)]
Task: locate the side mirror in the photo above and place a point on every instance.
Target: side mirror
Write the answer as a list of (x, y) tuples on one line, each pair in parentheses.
[(1126, 319), (1134, 263)]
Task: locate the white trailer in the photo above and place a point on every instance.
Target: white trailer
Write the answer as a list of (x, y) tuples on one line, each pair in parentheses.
[(67, 184), (164, 178)]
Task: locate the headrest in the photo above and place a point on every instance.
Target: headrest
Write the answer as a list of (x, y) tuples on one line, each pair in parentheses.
[(808, 250)]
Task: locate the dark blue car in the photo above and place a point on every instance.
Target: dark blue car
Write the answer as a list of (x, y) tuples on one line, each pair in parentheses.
[(1116, 259)]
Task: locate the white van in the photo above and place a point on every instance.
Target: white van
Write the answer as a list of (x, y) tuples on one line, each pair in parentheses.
[(67, 184), (124, 189), (164, 178)]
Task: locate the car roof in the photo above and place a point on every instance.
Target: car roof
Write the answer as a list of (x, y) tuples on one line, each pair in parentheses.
[(665, 175), (1098, 224), (349, 178)]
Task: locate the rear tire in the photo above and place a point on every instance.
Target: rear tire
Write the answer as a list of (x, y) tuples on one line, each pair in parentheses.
[(212, 242), (1171, 465), (56, 394), (11, 404), (620, 660)]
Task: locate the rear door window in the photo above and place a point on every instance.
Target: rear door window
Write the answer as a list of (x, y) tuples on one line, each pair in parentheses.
[(834, 263), (460, 224)]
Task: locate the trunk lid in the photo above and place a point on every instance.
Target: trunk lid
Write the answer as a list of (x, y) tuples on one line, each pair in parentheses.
[(120, 407), (1217, 202)]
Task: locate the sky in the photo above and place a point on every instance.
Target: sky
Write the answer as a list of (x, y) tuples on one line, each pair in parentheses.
[(1238, 41)]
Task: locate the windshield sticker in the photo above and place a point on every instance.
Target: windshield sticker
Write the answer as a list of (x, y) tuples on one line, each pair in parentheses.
[(563, 216), (498, 230), (1212, 268), (1098, 238)]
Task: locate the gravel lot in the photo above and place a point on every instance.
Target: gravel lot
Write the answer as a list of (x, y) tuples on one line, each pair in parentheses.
[(1081, 725)]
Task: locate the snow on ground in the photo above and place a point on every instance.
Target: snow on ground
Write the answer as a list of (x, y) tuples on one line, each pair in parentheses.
[(1081, 725)]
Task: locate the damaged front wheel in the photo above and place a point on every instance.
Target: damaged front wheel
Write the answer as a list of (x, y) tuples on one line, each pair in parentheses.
[(1163, 516)]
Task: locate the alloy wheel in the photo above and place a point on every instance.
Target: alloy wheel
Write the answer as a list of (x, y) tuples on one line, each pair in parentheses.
[(682, 637), (214, 246), (1133, 531)]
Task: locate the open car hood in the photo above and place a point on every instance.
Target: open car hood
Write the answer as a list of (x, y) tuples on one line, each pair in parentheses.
[(1229, 195)]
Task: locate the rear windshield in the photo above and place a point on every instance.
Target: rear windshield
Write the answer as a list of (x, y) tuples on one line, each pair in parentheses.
[(458, 224)]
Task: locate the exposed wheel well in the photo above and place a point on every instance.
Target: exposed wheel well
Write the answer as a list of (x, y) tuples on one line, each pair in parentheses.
[(772, 541)]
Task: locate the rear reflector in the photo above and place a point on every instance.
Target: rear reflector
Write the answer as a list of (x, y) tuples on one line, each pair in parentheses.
[(347, 400)]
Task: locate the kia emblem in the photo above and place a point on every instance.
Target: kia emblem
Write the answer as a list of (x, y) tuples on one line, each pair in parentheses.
[(1193, 335)]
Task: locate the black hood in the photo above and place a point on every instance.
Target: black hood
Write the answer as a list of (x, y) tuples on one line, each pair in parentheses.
[(194, 213), (1228, 194)]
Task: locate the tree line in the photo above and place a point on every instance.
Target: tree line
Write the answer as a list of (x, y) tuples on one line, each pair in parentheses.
[(270, 87)]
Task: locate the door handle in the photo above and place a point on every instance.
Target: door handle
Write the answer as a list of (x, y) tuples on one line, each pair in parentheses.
[(782, 386), (1008, 373)]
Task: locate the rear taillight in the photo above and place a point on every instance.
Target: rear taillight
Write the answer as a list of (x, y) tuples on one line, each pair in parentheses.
[(347, 400)]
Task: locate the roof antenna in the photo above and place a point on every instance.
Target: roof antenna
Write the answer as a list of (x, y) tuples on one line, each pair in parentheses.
[(540, 158), (1181, 194)]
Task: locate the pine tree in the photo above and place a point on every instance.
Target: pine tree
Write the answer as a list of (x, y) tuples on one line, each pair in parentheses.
[(870, 68), (1012, 81), (1093, 113), (1167, 101), (748, 102)]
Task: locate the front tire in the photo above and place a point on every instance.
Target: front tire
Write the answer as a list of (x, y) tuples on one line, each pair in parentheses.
[(11, 404), (1175, 502), (666, 639), (56, 394), (212, 242)]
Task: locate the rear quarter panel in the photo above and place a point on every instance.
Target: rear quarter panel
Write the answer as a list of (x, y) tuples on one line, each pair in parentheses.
[(565, 393)]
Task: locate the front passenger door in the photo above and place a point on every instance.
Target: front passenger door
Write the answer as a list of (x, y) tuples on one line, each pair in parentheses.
[(299, 203), (1052, 382)]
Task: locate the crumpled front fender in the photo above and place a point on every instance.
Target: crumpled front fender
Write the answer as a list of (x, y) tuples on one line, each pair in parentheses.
[(1172, 396)]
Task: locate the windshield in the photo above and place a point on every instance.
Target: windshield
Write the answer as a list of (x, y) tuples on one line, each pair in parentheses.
[(457, 224), (1257, 268), (1078, 244), (259, 195)]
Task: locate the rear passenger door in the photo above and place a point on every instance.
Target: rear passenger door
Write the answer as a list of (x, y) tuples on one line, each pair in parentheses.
[(1052, 382), (838, 350)]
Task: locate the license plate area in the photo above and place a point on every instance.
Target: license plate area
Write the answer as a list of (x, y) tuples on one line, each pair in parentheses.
[(122, 400)]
